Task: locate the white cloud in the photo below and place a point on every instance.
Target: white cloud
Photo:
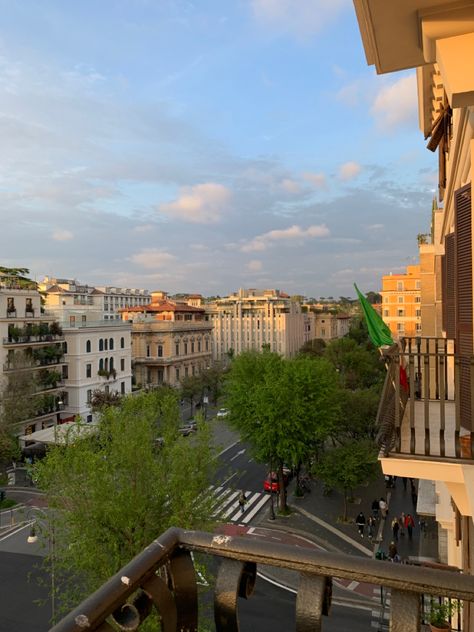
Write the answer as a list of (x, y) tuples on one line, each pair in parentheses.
[(255, 265), (375, 227), (293, 233), (349, 170), (396, 104), (302, 18), (316, 179), (143, 228), (200, 204), (152, 258), (61, 234), (290, 186)]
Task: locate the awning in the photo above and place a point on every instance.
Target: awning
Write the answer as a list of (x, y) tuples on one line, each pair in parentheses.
[(61, 434)]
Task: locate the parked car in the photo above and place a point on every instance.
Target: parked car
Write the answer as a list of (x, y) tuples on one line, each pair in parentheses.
[(189, 428), (222, 412), (272, 484)]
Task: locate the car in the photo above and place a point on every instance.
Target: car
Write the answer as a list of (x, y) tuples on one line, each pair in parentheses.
[(189, 428), (272, 484), (222, 412)]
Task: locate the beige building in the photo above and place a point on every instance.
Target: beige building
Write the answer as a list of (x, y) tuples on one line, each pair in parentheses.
[(250, 319), (401, 302), (427, 432), (31, 357), (170, 340), (328, 326)]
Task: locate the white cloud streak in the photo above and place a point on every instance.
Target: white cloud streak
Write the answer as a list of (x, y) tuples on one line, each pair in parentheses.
[(396, 105), (291, 234), (201, 204), (152, 258)]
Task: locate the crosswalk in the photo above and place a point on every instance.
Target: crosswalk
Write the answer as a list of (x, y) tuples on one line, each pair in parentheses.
[(381, 614), (226, 505)]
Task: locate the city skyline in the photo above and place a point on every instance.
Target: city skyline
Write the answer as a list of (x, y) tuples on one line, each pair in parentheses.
[(199, 147)]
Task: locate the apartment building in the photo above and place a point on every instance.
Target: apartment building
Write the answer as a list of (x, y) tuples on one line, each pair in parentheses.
[(170, 340), (401, 302), (77, 299), (32, 361), (250, 319), (426, 431), (328, 326)]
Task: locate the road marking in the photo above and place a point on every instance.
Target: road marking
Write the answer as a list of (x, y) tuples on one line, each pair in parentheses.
[(228, 448), (16, 530), (352, 585), (256, 509), (237, 454), (230, 478)]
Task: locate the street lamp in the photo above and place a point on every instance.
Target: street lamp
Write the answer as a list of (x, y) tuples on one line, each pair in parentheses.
[(33, 538)]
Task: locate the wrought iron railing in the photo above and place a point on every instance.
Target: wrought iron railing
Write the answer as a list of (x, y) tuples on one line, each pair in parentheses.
[(163, 577), (423, 383)]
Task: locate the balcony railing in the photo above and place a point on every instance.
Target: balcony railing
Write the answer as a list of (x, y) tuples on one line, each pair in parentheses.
[(22, 340), (33, 364), (419, 410), (163, 575)]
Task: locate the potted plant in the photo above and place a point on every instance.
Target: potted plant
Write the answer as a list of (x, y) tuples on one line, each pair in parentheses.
[(440, 614)]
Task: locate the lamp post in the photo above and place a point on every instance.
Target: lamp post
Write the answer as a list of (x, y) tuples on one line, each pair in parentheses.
[(33, 538)]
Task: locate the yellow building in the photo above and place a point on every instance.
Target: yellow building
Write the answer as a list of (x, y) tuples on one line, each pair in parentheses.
[(170, 340), (426, 431), (401, 302)]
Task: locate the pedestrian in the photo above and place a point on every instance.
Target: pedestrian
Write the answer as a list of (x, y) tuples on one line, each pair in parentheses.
[(414, 494), (370, 527), (375, 508), (360, 522), (383, 507), (402, 523), (409, 524), (392, 551), (395, 528), (242, 501)]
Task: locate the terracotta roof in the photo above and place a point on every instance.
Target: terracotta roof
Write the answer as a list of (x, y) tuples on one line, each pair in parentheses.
[(96, 291), (55, 289), (194, 295), (164, 306)]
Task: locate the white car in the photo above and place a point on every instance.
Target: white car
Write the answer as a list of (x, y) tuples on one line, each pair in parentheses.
[(222, 412)]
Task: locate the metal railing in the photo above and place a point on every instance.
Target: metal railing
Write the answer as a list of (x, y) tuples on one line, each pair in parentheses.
[(21, 340), (163, 575), (423, 383)]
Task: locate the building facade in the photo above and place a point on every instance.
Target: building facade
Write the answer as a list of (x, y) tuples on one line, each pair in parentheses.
[(170, 341), (401, 302), (328, 326), (427, 432), (251, 319)]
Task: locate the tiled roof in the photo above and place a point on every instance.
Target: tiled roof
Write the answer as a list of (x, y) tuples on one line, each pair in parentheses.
[(164, 306), (55, 289)]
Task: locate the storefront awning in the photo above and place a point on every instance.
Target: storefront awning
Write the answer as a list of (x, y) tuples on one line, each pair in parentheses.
[(61, 434)]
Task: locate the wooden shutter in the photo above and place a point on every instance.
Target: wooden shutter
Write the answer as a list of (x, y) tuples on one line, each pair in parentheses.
[(463, 276), (449, 286)]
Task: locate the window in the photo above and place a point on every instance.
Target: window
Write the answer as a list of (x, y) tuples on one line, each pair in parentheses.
[(417, 285), (148, 351), (188, 317), (88, 370), (111, 344), (185, 371), (199, 345), (385, 312), (177, 375), (385, 300), (176, 348), (72, 321), (400, 327), (64, 347), (418, 326), (207, 344), (400, 286), (400, 299), (101, 345), (29, 306), (192, 347), (122, 343), (160, 351), (89, 419), (111, 364), (88, 346), (417, 299), (418, 313), (400, 312), (89, 396), (122, 364), (11, 305), (185, 348), (101, 364), (122, 388), (106, 364), (106, 344), (84, 318)]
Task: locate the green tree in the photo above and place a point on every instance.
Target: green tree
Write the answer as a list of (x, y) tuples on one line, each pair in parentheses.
[(374, 297), (358, 413), (191, 389), (212, 380), (348, 466), (358, 366), (313, 347), (282, 407), (112, 493)]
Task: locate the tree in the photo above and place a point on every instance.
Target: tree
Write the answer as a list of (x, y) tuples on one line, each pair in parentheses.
[(112, 493), (191, 389), (347, 467), (313, 348), (358, 413), (357, 366), (211, 380), (101, 399), (374, 297), (282, 407)]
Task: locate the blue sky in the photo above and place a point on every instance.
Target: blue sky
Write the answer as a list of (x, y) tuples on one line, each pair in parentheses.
[(203, 146)]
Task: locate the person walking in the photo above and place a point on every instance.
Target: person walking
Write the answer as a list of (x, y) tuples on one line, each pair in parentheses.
[(409, 524), (242, 500), (370, 527), (402, 523), (383, 507), (395, 528), (360, 522), (414, 493), (393, 552)]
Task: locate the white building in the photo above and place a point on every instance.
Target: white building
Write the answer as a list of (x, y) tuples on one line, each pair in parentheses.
[(250, 319)]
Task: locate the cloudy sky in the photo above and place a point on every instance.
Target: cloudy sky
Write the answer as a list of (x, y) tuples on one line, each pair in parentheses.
[(203, 146)]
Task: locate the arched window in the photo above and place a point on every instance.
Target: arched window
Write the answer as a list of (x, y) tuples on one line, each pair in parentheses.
[(111, 344), (101, 365), (122, 343), (111, 364), (160, 351), (101, 345), (88, 346), (106, 344), (106, 364)]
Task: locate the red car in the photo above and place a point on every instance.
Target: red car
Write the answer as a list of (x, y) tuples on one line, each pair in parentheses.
[(271, 483)]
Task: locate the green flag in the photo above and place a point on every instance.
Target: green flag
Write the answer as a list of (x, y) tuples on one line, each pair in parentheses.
[(379, 333)]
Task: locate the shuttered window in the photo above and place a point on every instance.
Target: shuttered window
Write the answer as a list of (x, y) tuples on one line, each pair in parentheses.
[(463, 272), (449, 286)]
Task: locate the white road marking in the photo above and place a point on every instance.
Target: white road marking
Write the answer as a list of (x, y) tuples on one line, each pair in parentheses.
[(256, 509)]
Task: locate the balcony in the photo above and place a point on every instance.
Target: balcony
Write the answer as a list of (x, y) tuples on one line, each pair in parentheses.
[(163, 575), (10, 341)]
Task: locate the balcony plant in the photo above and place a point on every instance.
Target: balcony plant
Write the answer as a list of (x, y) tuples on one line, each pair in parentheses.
[(55, 329), (440, 614)]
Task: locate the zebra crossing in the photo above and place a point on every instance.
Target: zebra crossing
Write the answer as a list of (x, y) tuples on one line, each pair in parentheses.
[(381, 615), (226, 505)]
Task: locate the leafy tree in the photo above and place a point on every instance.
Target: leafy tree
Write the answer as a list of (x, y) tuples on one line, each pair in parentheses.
[(191, 389), (282, 407), (358, 413), (313, 348), (374, 297), (112, 493), (348, 466), (357, 366)]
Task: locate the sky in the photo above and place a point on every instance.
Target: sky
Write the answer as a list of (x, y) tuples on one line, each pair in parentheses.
[(203, 146)]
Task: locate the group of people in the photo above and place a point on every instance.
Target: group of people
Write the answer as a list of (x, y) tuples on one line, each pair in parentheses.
[(379, 507), (402, 524)]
